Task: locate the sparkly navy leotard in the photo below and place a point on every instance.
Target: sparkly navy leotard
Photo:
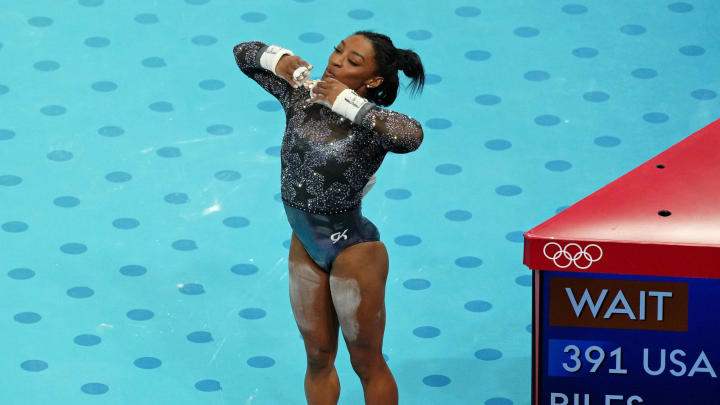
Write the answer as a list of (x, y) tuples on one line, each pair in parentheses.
[(327, 160)]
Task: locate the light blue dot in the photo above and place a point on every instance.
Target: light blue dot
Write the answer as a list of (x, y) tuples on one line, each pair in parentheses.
[(227, 175), (468, 262), (438, 123), (547, 120), (488, 354), (278, 197), (508, 190), (478, 55), (244, 269), (607, 141), (21, 274), (261, 362), (10, 180), (14, 226), (700, 94), (656, 117), (596, 96), (147, 363), (95, 388), (73, 248), (426, 332), (524, 281), (46, 65), (478, 306), (431, 78), (448, 168), (269, 105), (192, 289), (146, 18), (132, 270), (644, 73), (87, 340), (200, 337), (574, 9), (526, 32), (197, 2), (386, 357), (416, 284), (252, 313), (458, 215), (27, 317), (419, 35), (177, 198), (80, 292), (273, 151), (33, 365), (6, 89), (692, 50), (219, 129), (498, 401), (104, 86), (6, 134), (680, 7), (40, 22), (632, 29), (498, 144), (253, 17), (208, 385), (398, 194), (204, 40), (311, 37), (140, 314), (110, 131), (408, 240), (515, 236), (90, 3), (184, 245), (467, 11), (536, 75), (161, 106), (59, 155), (560, 209), (53, 110), (126, 223), (97, 42), (528, 328), (236, 222), (118, 177), (360, 14), (436, 380), (211, 84), (585, 52), (487, 99), (169, 152), (558, 165), (153, 62)]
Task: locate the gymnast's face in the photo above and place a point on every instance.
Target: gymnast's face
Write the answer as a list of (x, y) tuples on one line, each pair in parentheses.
[(353, 62)]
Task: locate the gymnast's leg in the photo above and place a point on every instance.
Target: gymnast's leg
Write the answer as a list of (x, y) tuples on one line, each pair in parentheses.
[(357, 284), (316, 318)]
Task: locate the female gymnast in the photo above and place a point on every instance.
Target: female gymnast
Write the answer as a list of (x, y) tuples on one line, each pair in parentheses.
[(335, 139)]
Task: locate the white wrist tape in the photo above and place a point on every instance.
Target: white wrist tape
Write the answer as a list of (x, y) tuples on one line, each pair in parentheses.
[(270, 58), (348, 103)]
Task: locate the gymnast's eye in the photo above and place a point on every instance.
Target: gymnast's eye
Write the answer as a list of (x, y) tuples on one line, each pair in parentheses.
[(351, 62)]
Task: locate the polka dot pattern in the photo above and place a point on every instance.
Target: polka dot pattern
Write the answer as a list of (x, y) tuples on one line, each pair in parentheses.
[(139, 172)]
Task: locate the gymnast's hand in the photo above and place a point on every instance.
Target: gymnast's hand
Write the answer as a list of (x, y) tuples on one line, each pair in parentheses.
[(325, 92), (288, 64)]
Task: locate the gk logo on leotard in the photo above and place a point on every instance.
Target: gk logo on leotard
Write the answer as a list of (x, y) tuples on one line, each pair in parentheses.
[(337, 235), (572, 253)]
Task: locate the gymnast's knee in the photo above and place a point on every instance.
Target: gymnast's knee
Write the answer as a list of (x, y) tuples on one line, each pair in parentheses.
[(320, 360)]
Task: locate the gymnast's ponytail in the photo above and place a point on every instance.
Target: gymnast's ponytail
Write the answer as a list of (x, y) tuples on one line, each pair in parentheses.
[(388, 60)]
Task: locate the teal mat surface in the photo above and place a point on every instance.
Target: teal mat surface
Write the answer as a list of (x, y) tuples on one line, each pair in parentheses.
[(143, 245)]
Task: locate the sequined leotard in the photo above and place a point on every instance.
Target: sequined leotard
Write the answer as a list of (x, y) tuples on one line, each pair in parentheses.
[(326, 160)]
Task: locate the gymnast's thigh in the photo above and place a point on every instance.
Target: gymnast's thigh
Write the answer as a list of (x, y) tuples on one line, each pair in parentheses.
[(311, 301)]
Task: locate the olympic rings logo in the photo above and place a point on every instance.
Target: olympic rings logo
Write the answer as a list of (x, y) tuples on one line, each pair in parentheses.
[(572, 253)]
